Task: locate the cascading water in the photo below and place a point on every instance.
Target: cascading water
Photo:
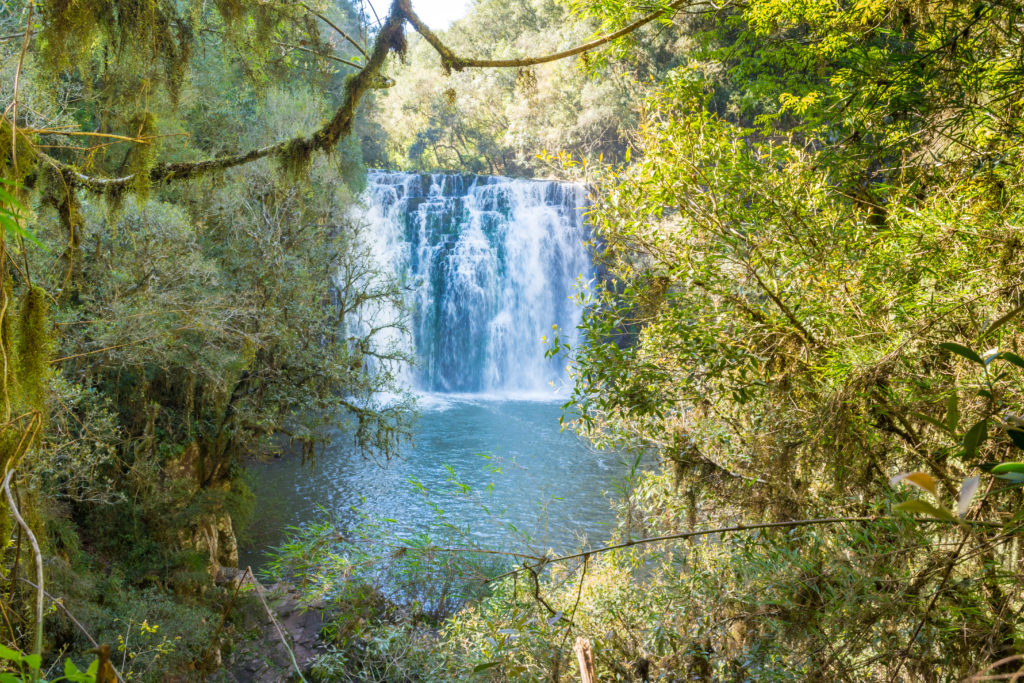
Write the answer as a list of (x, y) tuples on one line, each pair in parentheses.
[(489, 264)]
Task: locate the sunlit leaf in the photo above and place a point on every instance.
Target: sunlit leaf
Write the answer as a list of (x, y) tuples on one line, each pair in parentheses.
[(922, 480), (1006, 467), (926, 508)]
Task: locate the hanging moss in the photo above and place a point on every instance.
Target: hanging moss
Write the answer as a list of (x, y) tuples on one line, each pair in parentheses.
[(7, 340), (295, 159), (144, 33), (113, 200), (142, 156), (58, 192), (26, 156), (230, 10), (33, 350)]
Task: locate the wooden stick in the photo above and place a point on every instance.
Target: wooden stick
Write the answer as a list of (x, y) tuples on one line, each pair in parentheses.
[(585, 656)]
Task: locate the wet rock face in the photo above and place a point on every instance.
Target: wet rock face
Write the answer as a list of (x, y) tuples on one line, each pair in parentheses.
[(214, 536)]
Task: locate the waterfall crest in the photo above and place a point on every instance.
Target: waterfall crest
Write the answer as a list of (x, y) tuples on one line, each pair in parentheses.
[(489, 265)]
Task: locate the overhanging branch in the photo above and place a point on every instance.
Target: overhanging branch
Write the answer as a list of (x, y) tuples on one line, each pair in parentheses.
[(391, 37), (453, 61)]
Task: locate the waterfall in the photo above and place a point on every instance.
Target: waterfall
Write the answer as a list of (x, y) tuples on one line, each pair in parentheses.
[(489, 265)]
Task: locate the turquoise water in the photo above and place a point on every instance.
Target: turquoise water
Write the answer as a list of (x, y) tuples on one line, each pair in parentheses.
[(522, 482)]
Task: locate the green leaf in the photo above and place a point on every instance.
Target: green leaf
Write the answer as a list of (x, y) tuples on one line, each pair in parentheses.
[(952, 413), (1017, 436), (1005, 467), (33, 661), (975, 437), (9, 654), (1012, 358), (961, 350), (931, 420), (924, 507), (70, 669), (13, 226), (484, 667), (1010, 471)]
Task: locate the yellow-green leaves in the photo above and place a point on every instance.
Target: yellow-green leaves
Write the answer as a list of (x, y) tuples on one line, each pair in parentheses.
[(926, 482), (922, 480)]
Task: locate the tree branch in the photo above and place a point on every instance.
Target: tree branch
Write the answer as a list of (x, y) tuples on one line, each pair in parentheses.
[(722, 530), (335, 27), (452, 61), (391, 37)]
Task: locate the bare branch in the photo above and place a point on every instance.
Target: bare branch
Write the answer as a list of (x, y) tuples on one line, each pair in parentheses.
[(332, 25), (453, 61)]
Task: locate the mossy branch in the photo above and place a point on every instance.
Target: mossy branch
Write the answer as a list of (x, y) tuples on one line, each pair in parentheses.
[(293, 152), (452, 61)]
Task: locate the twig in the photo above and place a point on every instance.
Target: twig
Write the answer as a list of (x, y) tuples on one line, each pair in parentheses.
[(927, 611), (727, 529), (325, 55), (536, 589), (576, 606), (332, 25), (227, 610)]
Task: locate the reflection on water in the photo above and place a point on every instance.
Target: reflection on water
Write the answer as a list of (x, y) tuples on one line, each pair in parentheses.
[(525, 477)]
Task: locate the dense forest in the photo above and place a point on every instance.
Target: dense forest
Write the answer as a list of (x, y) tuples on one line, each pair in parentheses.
[(810, 261)]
